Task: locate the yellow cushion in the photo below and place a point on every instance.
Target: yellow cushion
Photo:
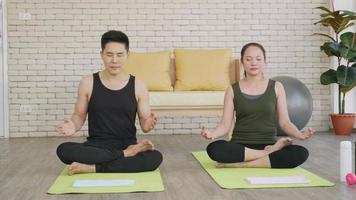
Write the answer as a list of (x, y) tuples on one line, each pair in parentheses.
[(152, 68), (202, 69)]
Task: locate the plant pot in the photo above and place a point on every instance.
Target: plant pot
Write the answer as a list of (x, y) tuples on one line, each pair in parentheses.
[(343, 123)]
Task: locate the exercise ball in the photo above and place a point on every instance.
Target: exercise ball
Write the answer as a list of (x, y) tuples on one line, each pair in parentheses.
[(299, 102)]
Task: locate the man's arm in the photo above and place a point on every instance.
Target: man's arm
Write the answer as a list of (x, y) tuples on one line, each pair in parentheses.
[(146, 117), (81, 105), (73, 124)]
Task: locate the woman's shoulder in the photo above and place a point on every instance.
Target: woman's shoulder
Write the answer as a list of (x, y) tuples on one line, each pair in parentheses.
[(235, 86), (277, 84), (278, 87)]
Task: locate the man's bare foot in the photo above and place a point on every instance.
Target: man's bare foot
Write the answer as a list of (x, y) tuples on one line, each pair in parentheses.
[(144, 145), (229, 165), (76, 168), (279, 144)]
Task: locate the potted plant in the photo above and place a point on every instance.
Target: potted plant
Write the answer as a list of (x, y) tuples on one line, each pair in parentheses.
[(344, 49)]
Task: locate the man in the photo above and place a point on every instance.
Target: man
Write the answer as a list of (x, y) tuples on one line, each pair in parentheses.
[(111, 98)]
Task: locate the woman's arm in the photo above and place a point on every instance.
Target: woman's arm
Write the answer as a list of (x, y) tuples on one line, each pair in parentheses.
[(283, 119), (224, 126)]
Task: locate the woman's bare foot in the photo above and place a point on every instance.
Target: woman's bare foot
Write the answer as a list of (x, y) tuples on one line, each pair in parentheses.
[(76, 168), (229, 165), (279, 144), (144, 145)]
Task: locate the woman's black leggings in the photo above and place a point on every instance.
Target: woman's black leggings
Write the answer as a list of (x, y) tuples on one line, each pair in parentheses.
[(227, 152), (108, 160)]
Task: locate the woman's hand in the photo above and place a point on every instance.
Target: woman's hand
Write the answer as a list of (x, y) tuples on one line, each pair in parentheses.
[(207, 134), (307, 133)]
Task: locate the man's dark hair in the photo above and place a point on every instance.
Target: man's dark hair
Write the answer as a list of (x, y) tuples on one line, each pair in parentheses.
[(114, 36)]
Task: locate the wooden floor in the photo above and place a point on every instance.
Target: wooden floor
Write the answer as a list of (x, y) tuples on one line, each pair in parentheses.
[(28, 167)]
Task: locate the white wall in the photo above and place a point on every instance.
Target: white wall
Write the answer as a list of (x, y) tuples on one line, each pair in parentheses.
[(49, 53)]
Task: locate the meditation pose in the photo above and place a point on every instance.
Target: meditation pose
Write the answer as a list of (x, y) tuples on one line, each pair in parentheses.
[(111, 98), (257, 102)]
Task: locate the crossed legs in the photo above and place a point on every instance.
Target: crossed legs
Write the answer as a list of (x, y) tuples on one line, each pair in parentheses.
[(282, 154), (83, 158)]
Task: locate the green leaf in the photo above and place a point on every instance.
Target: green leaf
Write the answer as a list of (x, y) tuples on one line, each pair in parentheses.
[(328, 77), (329, 21), (348, 39), (346, 76), (349, 25), (324, 9), (324, 21), (342, 25), (325, 35), (350, 18), (346, 89), (347, 53), (349, 13), (334, 46), (352, 70), (339, 20), (327, 50), (331, 48), (325, 14)]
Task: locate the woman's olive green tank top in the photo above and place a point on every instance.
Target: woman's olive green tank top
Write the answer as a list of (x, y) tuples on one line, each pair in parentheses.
[(255, 118)]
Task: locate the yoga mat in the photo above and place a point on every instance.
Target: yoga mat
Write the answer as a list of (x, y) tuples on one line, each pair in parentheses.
[(235, 178), (142, 182)]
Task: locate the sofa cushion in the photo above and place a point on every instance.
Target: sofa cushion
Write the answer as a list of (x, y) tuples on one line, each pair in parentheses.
[(152, 68), (202, 70), (187, 99)]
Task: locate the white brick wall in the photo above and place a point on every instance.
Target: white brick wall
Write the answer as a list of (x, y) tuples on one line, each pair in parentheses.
[(49, 53)]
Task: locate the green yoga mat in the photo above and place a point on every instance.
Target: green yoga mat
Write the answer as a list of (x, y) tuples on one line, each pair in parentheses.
[(143, 182), (235, 178)]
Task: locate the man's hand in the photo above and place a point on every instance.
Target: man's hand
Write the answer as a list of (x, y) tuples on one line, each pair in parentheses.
[(151, 121), (67, 128)]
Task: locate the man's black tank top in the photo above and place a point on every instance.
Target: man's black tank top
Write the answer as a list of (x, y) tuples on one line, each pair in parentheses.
[(112, 113)]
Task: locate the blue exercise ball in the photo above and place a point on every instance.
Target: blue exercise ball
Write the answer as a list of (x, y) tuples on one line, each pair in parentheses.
[(299, 102)]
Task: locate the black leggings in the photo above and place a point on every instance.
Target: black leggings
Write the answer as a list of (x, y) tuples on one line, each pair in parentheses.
[(227, 152), (108, 160)]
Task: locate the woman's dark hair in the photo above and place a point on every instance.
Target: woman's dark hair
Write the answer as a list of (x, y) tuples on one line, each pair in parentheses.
[(252, 44), (114, 36)]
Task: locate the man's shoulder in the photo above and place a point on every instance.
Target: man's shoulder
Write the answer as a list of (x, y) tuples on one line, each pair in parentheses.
[(139, 83), (87, 78), (140, 86), (86, 83)]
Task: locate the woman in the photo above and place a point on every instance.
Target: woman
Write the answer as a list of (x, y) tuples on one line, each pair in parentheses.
[(257, 102)]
